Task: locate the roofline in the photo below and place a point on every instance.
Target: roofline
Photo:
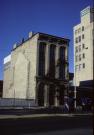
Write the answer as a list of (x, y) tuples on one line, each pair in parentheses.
[(24, 41), (53, 36), (42, 34)]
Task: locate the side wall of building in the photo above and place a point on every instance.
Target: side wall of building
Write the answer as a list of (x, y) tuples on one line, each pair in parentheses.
[(20, 76)]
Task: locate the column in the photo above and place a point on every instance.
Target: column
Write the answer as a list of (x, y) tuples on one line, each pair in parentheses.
[(46, 95), (47, 59), (66, 65)]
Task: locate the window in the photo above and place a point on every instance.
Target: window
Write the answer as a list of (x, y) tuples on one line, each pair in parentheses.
[(83, 36), (76, 40), (76, 58), (76, 68), (82, 28), (76, 49), (83, 55), (79, 30), (52, 60), (83, 65), (83, 46), (62, 66), (79, 38), (79, 48), (80, 57), (80, 65), (41, 66), (75, 32)]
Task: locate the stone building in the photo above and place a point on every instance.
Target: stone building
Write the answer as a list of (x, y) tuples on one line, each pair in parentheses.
[(37, 69)]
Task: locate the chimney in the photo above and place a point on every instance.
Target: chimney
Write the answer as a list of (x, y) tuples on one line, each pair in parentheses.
[(30, 34)]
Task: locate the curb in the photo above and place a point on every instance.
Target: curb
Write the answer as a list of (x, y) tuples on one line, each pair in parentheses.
[(41, 115)]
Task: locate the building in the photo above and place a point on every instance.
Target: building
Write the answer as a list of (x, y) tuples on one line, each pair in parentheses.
[(37, 69), (1, 88), (83, 47)]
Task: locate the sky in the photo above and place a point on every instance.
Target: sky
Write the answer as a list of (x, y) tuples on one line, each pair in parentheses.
[(56, 17)]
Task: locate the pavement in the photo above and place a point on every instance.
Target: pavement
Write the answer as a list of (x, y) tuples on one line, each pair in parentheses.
[(21, 116)]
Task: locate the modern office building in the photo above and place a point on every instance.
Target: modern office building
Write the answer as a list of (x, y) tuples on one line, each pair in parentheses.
[(37, 69), (84, 47)]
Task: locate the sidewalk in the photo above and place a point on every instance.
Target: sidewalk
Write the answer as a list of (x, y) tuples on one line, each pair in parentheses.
[(42, 115)]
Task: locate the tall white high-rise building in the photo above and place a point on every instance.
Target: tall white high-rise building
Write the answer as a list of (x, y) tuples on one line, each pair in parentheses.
[(83, 46)]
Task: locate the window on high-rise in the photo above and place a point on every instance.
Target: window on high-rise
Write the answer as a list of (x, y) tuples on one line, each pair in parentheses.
[(76, 68), (83, 65), (79, 38), (82, 28), (76, 49), (80, 57), (79, 48), (79, 30), (80, 65), (76, 40), (83, 46), (83, 36), (41, 59), (76, 58), (75, 32), (83, 55)]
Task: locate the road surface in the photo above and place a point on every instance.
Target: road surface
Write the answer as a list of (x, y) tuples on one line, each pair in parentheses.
[(52, 125)]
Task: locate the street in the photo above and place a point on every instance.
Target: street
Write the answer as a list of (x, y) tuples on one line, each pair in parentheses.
[(66, 132), (52, 125)]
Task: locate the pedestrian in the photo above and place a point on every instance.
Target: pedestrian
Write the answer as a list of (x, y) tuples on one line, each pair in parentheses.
[(83, 106), (66, 107)]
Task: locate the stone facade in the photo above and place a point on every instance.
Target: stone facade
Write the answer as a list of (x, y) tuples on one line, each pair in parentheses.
[(38, 69)]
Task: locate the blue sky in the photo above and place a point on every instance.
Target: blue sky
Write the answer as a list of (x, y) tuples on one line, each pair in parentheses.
[(56, 17)]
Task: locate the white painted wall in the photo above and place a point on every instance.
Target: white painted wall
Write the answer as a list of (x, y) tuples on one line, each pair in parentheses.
[(19, 79), (87, 72)]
